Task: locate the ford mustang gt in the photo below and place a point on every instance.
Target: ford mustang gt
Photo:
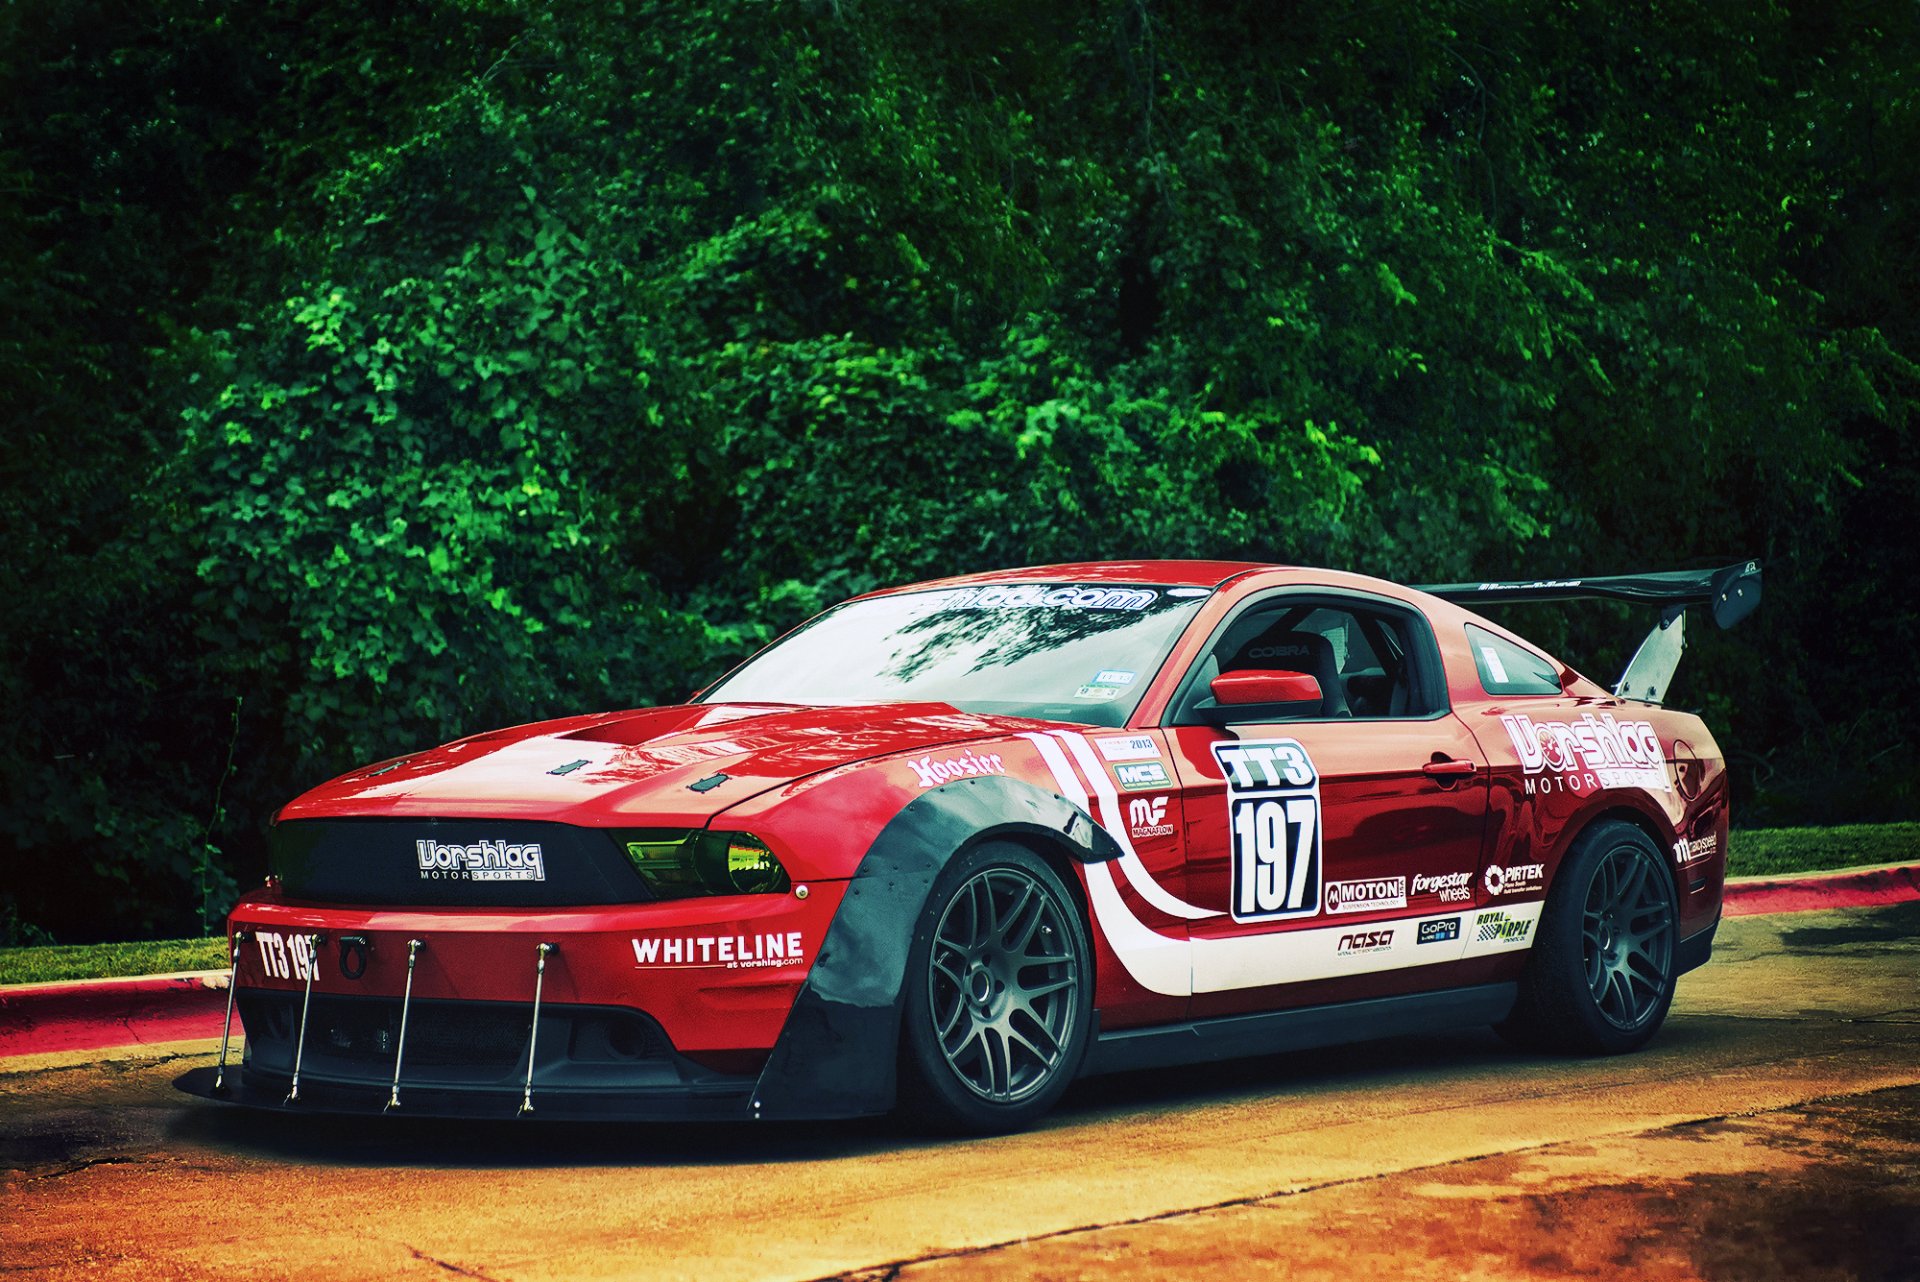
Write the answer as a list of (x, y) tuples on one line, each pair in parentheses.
[(948, 847)]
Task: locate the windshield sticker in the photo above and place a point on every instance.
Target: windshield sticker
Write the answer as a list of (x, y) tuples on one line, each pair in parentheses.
[(1029, 595), (1098, 694), (1591, 753), (967, 765), (1113, 677), (1149, 774), (1137, 747), (1494, 666)]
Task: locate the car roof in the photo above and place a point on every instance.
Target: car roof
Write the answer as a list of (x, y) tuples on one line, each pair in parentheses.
[(1173, 574)]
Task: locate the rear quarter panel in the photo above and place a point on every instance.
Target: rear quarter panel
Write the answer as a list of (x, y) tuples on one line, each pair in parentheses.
[(1557, 764)]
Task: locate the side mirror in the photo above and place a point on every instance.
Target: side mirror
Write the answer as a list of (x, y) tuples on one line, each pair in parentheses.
[(1260, 695)]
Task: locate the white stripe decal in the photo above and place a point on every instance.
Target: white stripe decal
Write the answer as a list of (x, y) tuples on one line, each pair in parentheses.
[(1156, 962), (1294, 956), (1181, 967), (1063, 776), (1137, 875)]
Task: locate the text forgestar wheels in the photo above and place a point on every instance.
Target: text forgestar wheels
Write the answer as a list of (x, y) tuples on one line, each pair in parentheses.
[(1601, 974), (999, 994)]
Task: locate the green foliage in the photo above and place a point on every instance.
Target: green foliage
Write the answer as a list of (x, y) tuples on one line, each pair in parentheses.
[(52, 963), (400, 375), (1759, 852), (408, 513)]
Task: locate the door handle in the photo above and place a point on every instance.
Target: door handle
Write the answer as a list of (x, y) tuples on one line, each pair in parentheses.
[(1449, 767)]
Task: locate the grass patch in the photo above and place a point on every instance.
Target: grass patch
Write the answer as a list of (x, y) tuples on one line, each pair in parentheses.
[(1752, 852), (49, 962), (1756, 852)]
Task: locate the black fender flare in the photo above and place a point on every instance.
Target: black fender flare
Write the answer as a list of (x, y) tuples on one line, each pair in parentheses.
[(836, 1053)]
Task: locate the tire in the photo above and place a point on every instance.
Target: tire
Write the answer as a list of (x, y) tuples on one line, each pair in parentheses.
[(999, 995), (1600, 976)]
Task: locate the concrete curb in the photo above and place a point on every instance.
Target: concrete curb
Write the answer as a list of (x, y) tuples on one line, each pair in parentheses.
[(88, 1014), (1835, 888), (127, 984)]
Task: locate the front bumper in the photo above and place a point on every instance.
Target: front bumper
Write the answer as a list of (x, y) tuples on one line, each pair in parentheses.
[(769, 1006), (659, 1012)]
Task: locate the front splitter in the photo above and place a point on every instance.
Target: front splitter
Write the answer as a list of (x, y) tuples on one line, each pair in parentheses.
[(731, 1101)]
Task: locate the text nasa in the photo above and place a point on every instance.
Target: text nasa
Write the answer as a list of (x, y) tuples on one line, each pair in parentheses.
[(482, 861), (732, 951), (1593, 752)]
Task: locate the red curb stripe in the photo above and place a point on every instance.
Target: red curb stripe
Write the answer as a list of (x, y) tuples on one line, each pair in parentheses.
[(1838, 890), (49, 1018)]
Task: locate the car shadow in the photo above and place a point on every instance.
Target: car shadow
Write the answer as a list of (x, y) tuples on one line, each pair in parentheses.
[(482, 1143), (1147, 1094), (1348, 1066), (438, 1142)]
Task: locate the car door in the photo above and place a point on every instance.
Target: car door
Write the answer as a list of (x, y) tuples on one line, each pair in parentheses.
[(1337, 844)]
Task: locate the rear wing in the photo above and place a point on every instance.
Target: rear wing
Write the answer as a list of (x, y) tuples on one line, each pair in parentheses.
[(1731, 593)]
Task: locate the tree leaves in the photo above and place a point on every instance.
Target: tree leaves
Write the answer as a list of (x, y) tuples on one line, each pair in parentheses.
[(527, 361)]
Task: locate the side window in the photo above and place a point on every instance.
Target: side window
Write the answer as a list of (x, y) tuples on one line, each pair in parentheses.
[(1506, 668), (1364, 659), (1372, 672)]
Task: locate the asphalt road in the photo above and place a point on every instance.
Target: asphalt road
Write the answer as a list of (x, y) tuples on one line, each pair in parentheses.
[(1772, 1130)]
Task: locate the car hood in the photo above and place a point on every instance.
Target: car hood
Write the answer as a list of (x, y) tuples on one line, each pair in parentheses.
[(665, 767)]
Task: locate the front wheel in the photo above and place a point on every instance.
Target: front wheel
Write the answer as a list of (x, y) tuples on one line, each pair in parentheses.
[(999, 994), (1601, 973)]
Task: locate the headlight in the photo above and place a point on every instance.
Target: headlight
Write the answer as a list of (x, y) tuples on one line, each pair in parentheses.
[(677, 864)]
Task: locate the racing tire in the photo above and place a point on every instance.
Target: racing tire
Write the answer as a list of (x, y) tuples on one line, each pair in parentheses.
[(999, 995), (1600, 976)]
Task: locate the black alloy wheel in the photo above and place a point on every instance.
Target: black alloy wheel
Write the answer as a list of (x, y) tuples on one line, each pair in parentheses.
[(999, 995), (1600, 975), (1627, 937)]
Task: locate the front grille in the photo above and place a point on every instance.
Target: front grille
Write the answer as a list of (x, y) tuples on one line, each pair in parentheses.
[(453, 1041), (406, 862), (438, 1034), (470, 1035)]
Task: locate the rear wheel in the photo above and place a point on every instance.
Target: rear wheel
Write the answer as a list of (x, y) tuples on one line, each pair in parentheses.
[(999, 994), (1600, 976)]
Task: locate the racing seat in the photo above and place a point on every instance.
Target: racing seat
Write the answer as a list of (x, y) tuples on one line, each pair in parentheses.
[(1307, 652)]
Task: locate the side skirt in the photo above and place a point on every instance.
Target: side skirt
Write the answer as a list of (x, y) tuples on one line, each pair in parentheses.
[(1234, 1036)]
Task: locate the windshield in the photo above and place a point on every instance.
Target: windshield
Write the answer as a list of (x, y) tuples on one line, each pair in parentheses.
[(1057, 651)]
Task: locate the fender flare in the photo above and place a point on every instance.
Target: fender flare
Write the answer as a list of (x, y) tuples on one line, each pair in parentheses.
[(836, 1055)]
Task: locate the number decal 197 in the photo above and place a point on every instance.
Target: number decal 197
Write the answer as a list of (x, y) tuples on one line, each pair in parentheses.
[(1273, 819)]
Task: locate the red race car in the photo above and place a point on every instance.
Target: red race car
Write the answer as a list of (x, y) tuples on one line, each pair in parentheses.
[(951, 846)]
